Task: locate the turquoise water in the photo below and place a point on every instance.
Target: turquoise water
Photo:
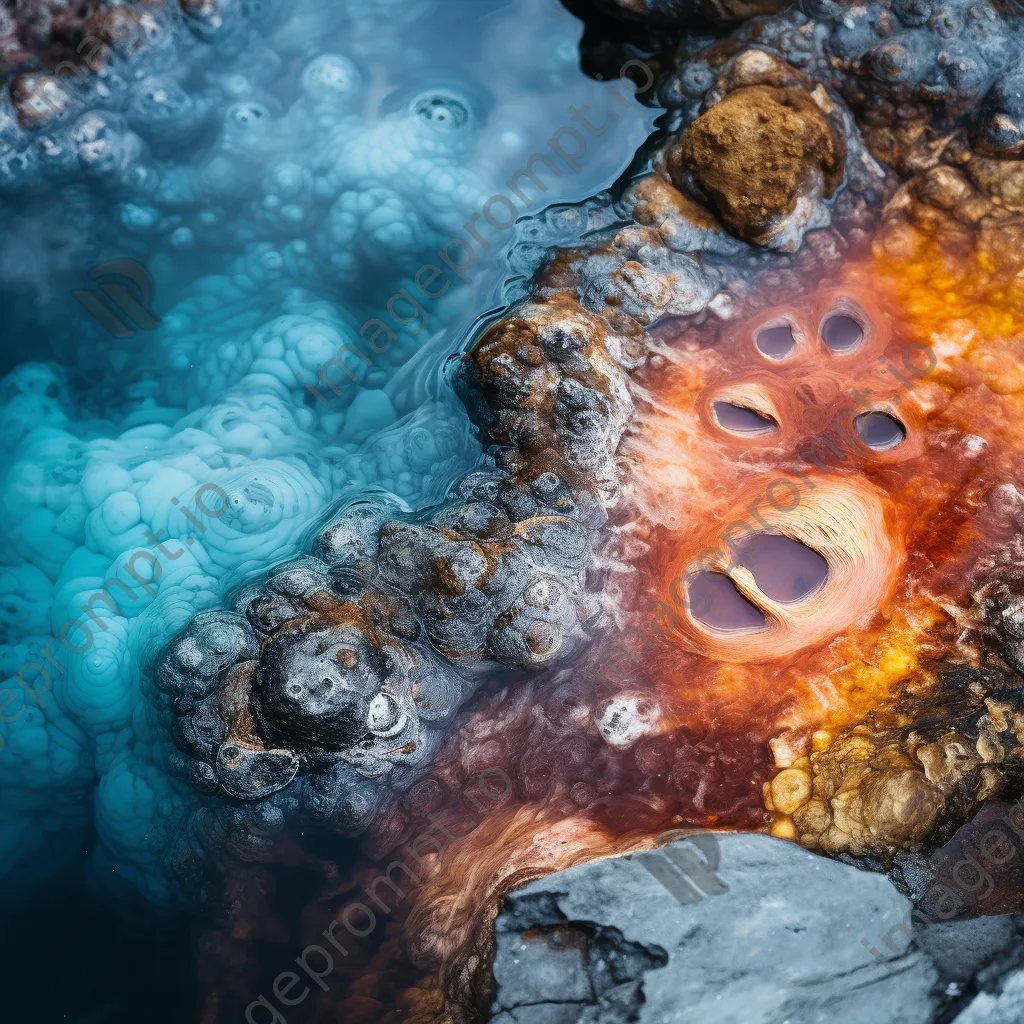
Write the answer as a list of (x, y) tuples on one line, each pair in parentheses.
[(234, 266)]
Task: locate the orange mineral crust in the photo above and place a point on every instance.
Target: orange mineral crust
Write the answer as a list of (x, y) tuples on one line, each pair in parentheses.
[(813, 490)]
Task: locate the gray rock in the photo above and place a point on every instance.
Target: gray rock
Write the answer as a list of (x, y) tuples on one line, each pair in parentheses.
[(1004, 1007), (732, 928), (960, 949)]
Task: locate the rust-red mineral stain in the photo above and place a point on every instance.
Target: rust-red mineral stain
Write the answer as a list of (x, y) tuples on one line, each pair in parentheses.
[(898, 514)]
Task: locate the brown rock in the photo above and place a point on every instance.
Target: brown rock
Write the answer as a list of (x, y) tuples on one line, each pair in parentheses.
[(763, 158)]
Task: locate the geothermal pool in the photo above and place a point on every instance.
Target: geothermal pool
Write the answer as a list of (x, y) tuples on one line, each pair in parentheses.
[(512, 511)]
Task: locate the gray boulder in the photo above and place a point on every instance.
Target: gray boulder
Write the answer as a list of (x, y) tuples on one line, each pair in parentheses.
[(731, 928)]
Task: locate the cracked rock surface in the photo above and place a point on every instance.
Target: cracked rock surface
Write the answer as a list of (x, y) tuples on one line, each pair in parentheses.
[(609, 941), (711, 927)]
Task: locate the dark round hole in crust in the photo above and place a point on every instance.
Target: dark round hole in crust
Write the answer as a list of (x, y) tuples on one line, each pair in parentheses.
[(742, 420), (841, 332), (715, 601), (879, 430), (784, 569), (775, 342)]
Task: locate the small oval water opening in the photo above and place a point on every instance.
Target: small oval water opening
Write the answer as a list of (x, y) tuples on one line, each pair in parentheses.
[(715, 601), (783, 569), (775, 342), (742, 420), (879, 430), (841, 332)]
